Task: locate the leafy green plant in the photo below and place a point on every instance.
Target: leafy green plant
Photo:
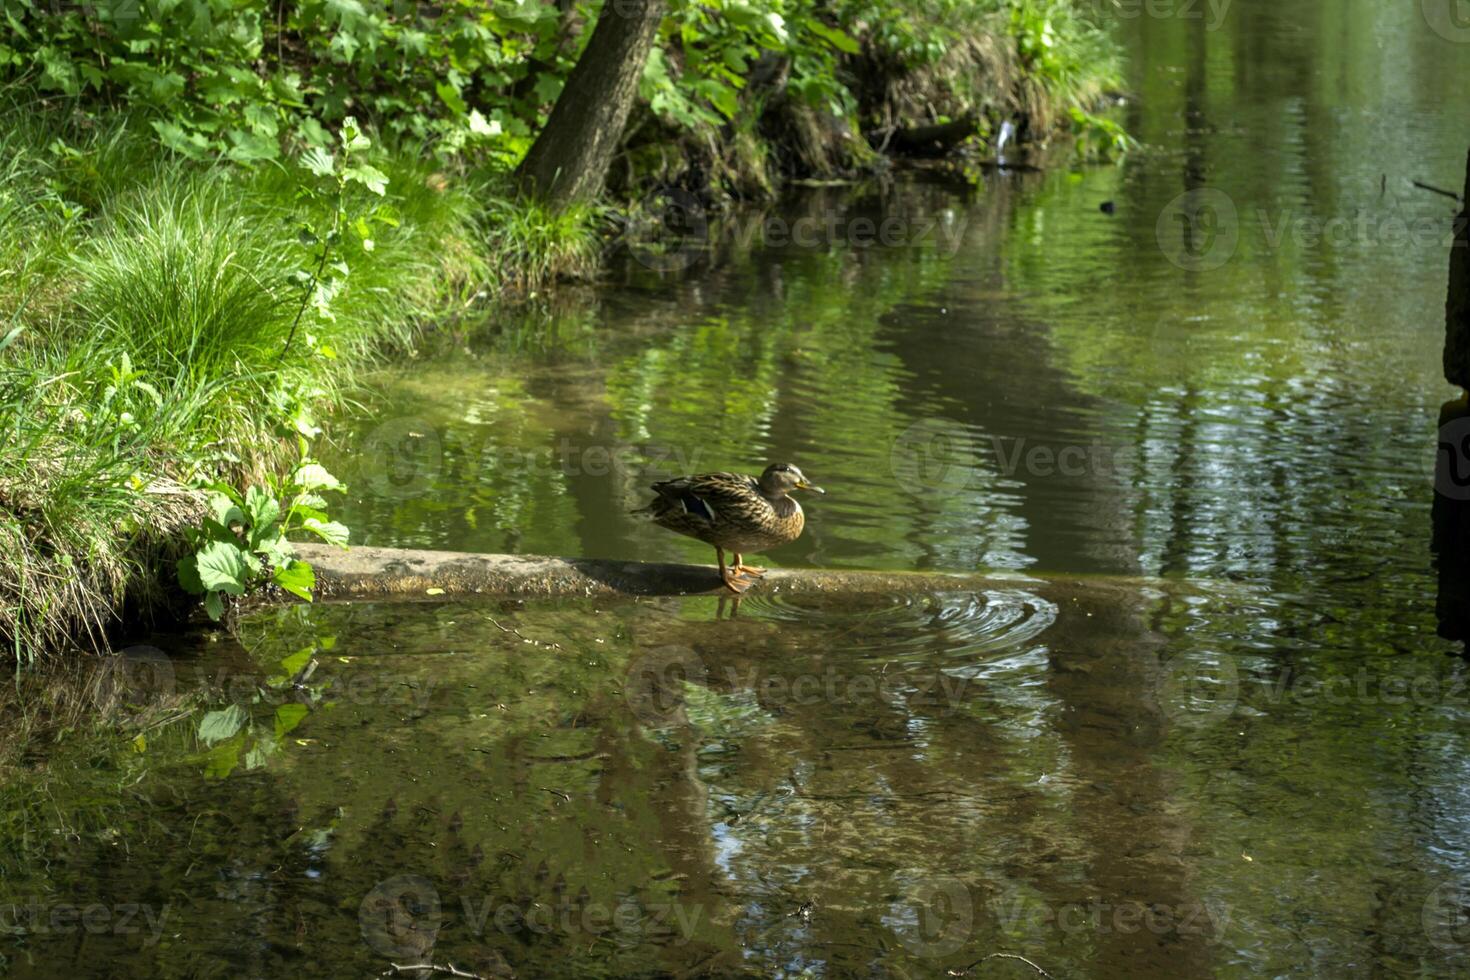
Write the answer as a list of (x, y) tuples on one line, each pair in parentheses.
[(1099, 138), (242, 542), (319, 283), (248, 80)]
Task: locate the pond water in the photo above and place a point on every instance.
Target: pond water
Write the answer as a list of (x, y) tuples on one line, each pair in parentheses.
[(1202, 725)]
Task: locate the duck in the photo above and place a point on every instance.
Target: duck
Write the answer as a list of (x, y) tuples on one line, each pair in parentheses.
[(734, 512)]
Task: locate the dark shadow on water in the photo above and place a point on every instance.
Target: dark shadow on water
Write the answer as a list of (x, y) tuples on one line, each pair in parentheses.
[(1451, 520)]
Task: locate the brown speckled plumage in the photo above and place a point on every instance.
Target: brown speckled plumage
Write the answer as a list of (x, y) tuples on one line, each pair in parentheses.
[(734, 512)]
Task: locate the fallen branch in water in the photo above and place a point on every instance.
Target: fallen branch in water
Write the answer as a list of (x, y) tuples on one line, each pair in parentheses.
[(1000, 956), (366, 572), (448, 969), (1437, 190)]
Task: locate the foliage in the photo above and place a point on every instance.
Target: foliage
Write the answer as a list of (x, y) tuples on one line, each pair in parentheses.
[(144, 309), (250, 81), (243, 78), (318, 288), (1060, 46), (709, 47), (242, 541), (1099, 137)]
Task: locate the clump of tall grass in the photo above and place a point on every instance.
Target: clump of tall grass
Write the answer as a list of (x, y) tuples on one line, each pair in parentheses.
[(144, 346), (533, 245)]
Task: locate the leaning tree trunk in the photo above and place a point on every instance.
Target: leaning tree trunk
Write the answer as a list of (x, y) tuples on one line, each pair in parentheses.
[(1457, 306), (569, 160)]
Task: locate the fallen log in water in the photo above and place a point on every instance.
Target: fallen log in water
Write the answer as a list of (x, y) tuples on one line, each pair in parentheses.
[(406, 573)]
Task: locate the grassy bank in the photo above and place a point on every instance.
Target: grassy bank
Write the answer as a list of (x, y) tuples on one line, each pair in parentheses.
[(178, 317), (146, 305)]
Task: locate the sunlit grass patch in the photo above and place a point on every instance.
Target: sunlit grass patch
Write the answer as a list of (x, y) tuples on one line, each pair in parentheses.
[(145, 313)]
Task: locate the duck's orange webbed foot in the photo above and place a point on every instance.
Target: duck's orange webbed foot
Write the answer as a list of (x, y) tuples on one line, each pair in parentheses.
[(743, 569), (731, 576), (735, 583)]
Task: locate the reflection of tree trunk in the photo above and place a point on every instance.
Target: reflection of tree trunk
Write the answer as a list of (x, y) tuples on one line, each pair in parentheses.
[(1457, 306), (1143, 917), (569, 160)]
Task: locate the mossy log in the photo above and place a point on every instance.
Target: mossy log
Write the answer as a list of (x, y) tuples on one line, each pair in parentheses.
[(389, 573)]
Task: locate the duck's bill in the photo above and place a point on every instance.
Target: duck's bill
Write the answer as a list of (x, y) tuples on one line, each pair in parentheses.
[(804, 485)]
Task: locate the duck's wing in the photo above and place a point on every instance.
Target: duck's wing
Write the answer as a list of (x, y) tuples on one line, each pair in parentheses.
[(713, 497)]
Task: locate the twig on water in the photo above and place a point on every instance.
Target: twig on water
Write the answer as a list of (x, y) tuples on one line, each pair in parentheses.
[(1436, 190), (448, 969), (507, 629), (1000, 956)]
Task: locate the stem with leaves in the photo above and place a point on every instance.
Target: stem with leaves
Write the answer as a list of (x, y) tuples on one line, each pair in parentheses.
[(338, 175)]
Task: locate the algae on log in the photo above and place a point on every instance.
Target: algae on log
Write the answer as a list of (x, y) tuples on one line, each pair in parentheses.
[(1457, 303), (411, 574)]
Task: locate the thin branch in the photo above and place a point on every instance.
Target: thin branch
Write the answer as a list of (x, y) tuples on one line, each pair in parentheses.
[(1437, 190), (315, 280), (448, 969), (507, 629), (1000, 956)]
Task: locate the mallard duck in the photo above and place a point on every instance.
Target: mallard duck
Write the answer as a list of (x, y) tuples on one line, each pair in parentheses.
[(735, 513)]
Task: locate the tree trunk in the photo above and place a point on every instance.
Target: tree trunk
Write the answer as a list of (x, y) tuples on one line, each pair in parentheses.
[(1457, 305), (569, 160)]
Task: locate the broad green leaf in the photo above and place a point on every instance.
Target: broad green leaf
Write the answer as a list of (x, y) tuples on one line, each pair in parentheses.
[(450, 96), (191, 144), (248, 147), (222, 567), (263, 749), (838, 39), (216, 726), (292, 665), (321, 163), (314, 476), (262, 510), (215, 606), (223, 758), (480, 126), (296, 578), (548, 88), (370, 177), (188, 571), (288, 716), (353, 138), (331, 532)]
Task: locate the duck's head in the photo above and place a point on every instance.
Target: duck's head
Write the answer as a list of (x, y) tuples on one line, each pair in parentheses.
[(780, 479)]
